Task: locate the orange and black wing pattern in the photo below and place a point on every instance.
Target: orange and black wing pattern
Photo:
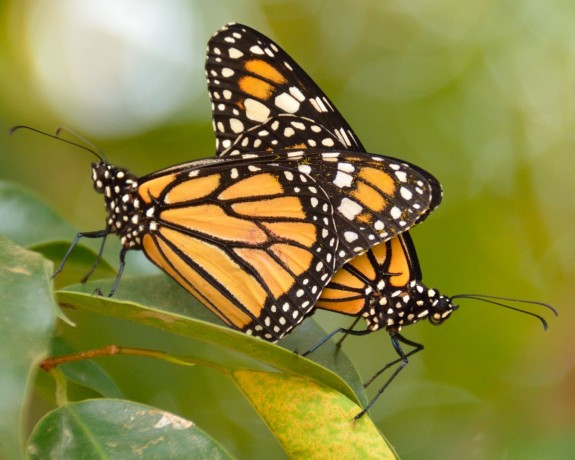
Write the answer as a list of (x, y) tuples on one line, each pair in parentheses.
[(263, 101), (383, 285), (251, 79), (257, 237), (255, 243), (244, 65)]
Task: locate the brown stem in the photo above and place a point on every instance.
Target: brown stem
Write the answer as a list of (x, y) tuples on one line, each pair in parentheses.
[(110, 350)]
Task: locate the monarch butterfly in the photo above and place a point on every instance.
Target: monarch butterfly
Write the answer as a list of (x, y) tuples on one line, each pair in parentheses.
[(257, 237), (263, 100)]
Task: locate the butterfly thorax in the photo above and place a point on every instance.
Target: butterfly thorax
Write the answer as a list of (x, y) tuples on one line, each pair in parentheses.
[(403, 307), (120, 190)]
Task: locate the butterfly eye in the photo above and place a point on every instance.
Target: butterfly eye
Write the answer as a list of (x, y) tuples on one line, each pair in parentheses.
[(437, 318)]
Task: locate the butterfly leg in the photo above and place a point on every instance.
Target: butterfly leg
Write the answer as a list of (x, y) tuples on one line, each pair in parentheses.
[(402, 360), (98, 234), (337, 331), (97, 261), (120, 271), (340, 341)]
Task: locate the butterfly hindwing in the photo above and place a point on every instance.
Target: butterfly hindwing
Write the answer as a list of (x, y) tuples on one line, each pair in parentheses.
[(283, 132), (359, 285)]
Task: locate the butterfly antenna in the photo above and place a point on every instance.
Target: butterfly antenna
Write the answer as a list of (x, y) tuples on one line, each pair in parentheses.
[(495, 300), (92, 148)]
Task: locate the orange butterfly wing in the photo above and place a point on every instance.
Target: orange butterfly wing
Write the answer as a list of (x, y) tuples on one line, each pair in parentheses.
[(245, 241)]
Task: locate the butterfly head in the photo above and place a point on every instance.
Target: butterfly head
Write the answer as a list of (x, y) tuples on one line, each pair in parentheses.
[(416, 301), (441, 309), (111, 180), (409, 305)]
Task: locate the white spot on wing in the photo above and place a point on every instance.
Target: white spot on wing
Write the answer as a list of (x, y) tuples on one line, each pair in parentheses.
[(235, 53), (350, 237), (349, 209), (346, 167), (287, 103), (405, 193), (401, 175), (256, 111), (236, 125), (295, 92), (343, 179)]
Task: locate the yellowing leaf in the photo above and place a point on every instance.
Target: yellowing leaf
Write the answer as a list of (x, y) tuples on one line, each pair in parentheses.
[(311, 420)]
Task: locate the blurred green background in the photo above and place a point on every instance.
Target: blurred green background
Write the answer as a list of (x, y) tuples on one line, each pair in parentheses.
[(481, 94)]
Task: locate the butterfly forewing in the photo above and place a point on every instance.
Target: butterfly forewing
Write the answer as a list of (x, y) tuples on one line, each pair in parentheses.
[(251, 79), (255, 244)]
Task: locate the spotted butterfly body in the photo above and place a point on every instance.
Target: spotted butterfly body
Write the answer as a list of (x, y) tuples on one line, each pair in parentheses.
[(262, 100)]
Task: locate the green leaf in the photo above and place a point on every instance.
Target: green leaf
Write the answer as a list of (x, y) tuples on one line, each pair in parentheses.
[(110, 428), (78, 264), (170, 308), (26, 219), (28, 316), (310, 420)]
